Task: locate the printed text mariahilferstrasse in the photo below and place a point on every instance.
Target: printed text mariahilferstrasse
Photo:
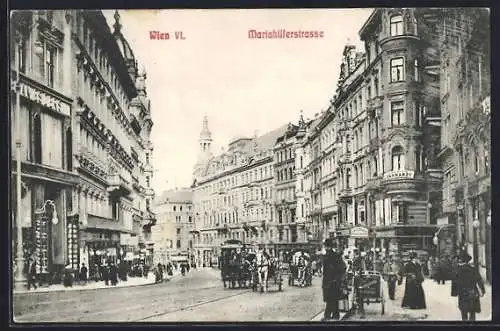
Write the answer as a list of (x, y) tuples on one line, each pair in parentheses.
[(285, 34)]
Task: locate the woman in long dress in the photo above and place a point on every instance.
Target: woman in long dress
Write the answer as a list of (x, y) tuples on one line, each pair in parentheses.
[(414, 297)]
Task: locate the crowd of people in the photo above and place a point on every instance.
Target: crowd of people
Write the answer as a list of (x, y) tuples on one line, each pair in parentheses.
[(110, 272), (467, 284)]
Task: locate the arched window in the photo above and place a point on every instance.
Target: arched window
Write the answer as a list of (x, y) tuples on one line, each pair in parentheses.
[(291, 173), (398, 158), (396, 25), (348, 178)]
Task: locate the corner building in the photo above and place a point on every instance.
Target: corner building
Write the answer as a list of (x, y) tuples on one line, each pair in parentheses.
[(382, 150), (233, 194)]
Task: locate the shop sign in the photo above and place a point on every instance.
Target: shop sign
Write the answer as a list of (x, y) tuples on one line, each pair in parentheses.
[(359, 232), (343, 233), (399, 174), (44, 99)]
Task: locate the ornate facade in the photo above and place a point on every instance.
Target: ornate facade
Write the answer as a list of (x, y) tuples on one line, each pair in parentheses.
[(112, 148), (233, 194), (84, 137), (373, 151), (466, 135)]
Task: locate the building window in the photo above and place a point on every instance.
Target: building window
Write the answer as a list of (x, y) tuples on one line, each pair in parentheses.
[(178, 244), (175, 208), (418, 161), (417, 70), (396, 25), (397, 69), (180, 208), (398, 158), (50, 64), (21, 50), (397, 113), (37, 132), (348, 178), (69, 150), (476, 162)]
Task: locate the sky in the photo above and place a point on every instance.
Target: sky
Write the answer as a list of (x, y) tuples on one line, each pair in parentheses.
[(243, 85)]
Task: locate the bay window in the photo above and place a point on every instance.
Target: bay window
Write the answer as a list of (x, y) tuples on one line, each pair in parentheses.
[(398, 158), (397, 113), (396, 23), (397, 69)]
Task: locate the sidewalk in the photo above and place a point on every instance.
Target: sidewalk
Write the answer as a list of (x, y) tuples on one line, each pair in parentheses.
[(441, 306), (92, 285)]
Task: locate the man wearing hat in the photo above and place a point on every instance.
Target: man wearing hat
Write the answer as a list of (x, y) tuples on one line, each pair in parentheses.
[(390, 274), (333, 273), (468, 283), (414, 297)]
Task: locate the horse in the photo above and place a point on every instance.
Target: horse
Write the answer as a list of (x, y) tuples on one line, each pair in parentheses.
[(262, 264)]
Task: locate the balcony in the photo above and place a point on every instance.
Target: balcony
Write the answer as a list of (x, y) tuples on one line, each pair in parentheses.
[(345, 193), (118, 184), (402, 181)]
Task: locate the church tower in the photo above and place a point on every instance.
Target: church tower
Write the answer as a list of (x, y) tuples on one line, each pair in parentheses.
[(204, 153), (205, 139)]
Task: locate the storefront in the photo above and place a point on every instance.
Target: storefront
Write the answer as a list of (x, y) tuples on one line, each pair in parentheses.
[(101, 242), (44, 117), (401, 238)]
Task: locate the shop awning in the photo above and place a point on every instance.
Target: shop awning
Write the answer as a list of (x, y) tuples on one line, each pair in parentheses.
[(101, 223)]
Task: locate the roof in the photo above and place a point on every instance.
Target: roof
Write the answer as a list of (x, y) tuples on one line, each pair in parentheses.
[(268, 140), (175, 195)]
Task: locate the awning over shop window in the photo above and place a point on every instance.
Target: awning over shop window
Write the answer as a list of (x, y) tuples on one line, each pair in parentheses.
[(101, 223)]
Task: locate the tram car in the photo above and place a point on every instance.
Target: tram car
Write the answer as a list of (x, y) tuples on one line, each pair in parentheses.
[(300, 269), (236, 265)]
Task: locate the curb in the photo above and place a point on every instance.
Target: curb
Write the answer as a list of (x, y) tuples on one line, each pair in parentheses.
[(91, 289)]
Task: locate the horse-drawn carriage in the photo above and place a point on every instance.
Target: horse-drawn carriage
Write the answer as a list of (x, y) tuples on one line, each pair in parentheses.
[(300, 269), (236, 265)]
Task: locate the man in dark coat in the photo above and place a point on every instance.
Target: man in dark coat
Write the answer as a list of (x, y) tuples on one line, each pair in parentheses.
[(414, 297), (468, 283), (333, 273)]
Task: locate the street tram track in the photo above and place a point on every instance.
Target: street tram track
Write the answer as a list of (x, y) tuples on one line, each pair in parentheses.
[(198, 304), (70, 310)]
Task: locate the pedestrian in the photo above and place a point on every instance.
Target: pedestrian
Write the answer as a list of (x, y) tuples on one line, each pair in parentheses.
[(414, 297), (469, 283), (454, 270), (390, 273), (83, 274), (333, 274), (113, 273), (32, 273)]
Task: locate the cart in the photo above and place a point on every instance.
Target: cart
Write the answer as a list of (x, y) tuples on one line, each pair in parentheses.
[(368, 289)]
